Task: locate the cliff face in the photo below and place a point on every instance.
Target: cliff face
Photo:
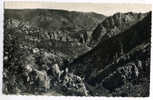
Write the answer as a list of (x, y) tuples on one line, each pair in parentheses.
[(101, 65), (114, 25)]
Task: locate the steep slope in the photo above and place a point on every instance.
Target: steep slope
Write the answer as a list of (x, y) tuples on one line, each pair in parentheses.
[(114, 25), (110, 54)]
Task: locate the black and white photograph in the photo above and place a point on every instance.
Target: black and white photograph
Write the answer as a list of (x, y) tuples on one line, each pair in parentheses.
[(76, 49)]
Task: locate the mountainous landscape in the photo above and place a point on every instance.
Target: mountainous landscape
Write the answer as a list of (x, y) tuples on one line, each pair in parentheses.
[(69, 53)]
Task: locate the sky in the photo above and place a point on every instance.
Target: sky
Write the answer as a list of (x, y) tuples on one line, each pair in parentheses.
[(107, 9)]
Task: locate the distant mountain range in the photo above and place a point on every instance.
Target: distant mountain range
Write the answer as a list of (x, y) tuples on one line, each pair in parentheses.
[(59, 25), (55, 20)]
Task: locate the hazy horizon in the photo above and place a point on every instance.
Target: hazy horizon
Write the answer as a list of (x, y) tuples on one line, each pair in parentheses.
[(101, 8)]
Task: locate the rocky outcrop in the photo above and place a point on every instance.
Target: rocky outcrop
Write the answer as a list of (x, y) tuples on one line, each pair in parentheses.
[(74, 85), (114, 25), (39, 73)]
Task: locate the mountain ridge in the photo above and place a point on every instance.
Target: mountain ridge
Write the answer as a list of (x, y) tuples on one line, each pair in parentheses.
[(115, 24), (102, 49)]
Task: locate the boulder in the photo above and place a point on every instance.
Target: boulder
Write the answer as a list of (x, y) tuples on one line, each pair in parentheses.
[(43, 79), (129, 72), (74, 85)]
